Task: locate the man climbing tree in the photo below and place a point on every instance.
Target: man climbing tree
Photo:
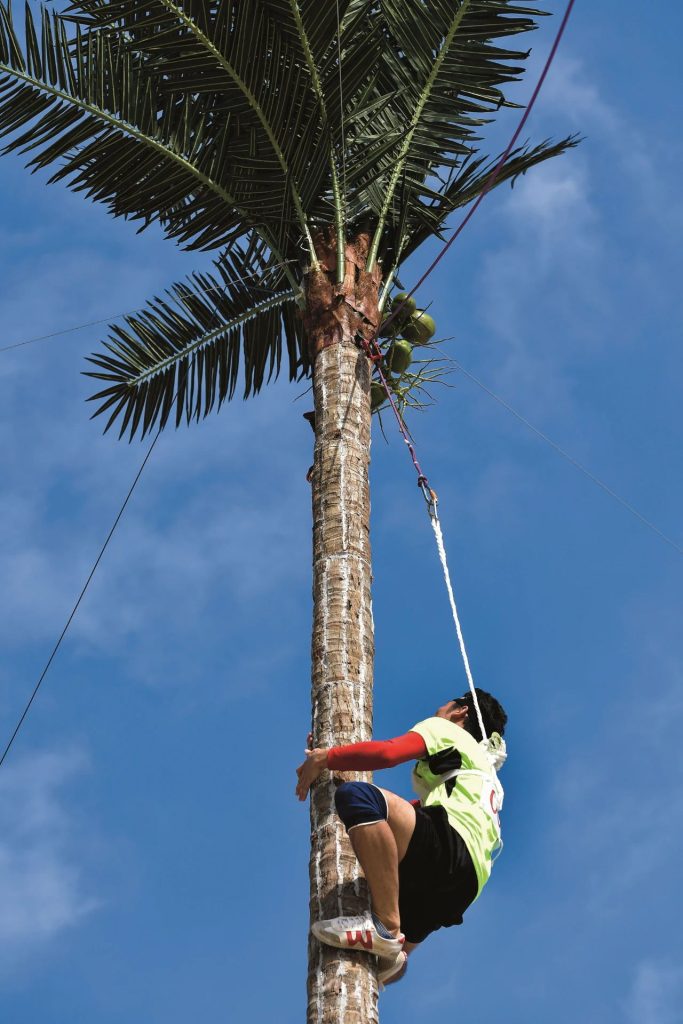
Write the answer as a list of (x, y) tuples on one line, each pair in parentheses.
[(425, 862), (312, 147)]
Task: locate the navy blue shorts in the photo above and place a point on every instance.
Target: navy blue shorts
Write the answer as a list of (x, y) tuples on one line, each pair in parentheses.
[(360, 803)]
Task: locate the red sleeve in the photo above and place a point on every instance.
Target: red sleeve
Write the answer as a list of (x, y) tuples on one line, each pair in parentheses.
[(377, 753)]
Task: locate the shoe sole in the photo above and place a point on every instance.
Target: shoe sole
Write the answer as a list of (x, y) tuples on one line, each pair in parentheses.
[(384, 977)]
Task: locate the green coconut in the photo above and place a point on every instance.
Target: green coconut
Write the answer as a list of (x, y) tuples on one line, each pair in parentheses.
[(409, 304), (377, 394), (400, 356), (421, 328)]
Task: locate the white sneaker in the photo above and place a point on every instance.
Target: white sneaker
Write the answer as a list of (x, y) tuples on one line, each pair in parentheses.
[(388, 968), (357, 933)]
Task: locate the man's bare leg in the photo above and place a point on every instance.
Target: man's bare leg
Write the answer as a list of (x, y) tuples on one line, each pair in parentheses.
[(380, 847), (375, 847)]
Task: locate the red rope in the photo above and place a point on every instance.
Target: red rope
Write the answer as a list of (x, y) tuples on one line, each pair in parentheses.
[(377, 359), (490, 182)]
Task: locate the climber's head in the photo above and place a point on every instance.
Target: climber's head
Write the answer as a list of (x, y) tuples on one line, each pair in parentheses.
[(461, 711)]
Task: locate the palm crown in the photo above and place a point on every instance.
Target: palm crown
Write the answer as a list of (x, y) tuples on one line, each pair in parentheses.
[(248, 128)]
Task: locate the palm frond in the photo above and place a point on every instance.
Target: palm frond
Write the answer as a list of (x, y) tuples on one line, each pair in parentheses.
[(84, 105), (218, 118), (242, 126), (448, 76), (467, 184), (235, 57), (184, 351), (273, 66)]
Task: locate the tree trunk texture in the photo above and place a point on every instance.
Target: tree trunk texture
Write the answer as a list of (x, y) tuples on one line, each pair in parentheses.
[(342, 987)]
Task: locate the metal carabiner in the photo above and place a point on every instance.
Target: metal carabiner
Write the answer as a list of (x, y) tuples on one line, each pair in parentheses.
[(429, 496)]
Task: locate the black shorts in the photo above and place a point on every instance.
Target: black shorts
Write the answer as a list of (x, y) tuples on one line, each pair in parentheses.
[(437, 880)]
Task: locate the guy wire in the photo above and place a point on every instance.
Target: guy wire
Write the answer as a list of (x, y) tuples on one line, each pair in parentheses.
[(78, 601)]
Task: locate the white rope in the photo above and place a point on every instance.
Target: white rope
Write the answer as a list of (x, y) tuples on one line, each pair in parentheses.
[(436, 526)]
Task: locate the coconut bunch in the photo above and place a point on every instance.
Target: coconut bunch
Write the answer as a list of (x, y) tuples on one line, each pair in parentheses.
[(407, 327)]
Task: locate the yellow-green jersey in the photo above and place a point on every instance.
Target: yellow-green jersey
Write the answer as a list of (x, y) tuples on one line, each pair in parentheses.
[(457, 775)]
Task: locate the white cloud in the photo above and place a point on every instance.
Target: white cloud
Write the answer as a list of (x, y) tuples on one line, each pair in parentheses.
[(570, 278), (553, 202), (647, 165), (657, 993), (615, 799), (552, 260), (185, 553), (186, 562), (42, 891), (564, 289), (572, 92)]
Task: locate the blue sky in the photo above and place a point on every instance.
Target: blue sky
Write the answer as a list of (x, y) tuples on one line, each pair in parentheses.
[(153, 859)]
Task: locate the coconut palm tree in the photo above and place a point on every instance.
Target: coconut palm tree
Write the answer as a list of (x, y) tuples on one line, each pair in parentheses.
[(312, 147)]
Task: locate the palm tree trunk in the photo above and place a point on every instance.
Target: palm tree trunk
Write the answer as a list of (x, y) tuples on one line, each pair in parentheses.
[(342, 987)]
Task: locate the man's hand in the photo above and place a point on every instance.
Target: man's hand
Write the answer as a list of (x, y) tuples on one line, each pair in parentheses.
[(314, 765)]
